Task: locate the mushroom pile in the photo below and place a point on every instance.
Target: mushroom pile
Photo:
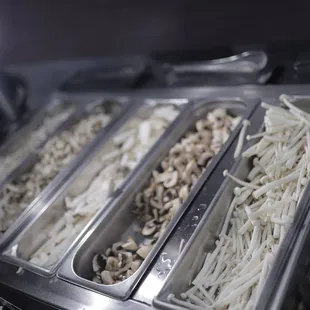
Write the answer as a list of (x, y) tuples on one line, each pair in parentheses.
[(104, 173), (261, 212), (30, 143), (171, 183), (56, 153), (118, 262)]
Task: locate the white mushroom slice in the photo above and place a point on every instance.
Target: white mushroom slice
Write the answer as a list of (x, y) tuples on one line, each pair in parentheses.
[(161, 177), (130, 245), (144, 250), (149, 228), (183, 192), (172, 181), (106, 277)]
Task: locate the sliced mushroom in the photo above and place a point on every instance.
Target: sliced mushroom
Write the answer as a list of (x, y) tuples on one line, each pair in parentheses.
[(106, 277), (179, 163), (149, 228), (176, 203), (155, 214), (204, 157), (155, 204), (165, 164), (170, 194), (127, 260), (116, 247), (184, 192), (112, 263), (161, 177), (144, 250), (159, 192), (172, 181), (130, 245), (188, 171), (167, 206), (99, 262)]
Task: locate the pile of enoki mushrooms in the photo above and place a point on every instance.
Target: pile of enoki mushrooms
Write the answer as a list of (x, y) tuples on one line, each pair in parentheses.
[(260, 214)]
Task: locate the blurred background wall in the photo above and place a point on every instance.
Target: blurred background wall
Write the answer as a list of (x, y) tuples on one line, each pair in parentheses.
[(43, 30)]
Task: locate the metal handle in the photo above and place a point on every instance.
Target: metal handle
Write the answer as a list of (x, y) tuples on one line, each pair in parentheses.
[(246, 62)]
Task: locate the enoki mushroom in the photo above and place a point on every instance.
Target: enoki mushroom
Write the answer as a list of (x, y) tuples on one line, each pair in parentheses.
[(260, 214)]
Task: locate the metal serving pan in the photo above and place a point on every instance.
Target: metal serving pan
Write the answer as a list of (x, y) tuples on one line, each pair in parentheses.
[(24, 245), (206, 233), (117, 223), (84, 109), (20, 139)]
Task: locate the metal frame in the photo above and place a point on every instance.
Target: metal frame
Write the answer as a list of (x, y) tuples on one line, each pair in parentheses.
[(63, 294)]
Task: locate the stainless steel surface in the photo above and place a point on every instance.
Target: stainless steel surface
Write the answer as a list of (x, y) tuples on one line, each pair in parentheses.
[(118, 222), (65, 295), (203, 239), (82, 111), (246, 62), (27, 242)]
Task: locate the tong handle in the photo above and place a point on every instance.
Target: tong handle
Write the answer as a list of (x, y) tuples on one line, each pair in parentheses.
[(246, 62)]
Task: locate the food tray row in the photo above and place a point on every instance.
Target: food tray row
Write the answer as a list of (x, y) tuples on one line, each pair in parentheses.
[(50, 211), (113, 222)]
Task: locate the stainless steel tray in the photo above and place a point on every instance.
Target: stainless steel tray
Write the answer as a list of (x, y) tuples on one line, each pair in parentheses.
[(117, 223), (83, 109), (22, 137), (24, 245), (63, 294), (203, 239)]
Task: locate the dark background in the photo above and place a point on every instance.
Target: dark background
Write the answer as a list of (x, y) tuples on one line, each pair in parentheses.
[(43, 30)]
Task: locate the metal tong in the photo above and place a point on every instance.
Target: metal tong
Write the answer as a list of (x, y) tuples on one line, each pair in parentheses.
[(246, 62)]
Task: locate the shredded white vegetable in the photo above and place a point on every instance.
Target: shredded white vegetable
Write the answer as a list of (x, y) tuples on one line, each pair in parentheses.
[(260, 214)]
